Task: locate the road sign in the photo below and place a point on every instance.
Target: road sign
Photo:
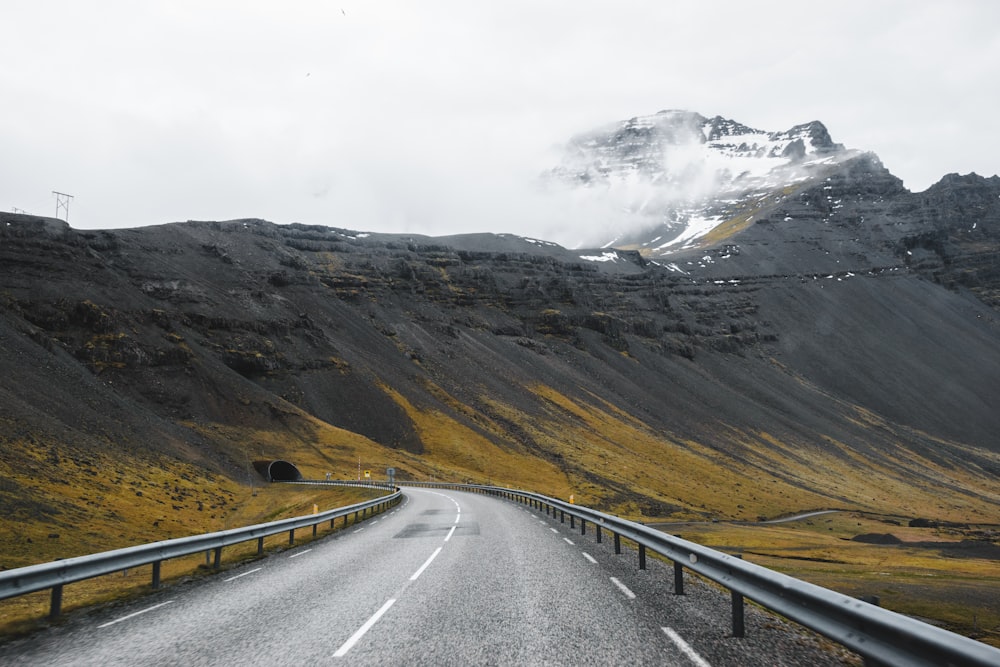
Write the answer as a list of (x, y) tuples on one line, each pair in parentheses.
[(368, 474)]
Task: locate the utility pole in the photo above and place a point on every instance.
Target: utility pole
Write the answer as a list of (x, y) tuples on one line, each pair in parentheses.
[(62, 202)]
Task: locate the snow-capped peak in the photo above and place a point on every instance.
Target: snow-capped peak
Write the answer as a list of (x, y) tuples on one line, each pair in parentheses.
[(663, 170)]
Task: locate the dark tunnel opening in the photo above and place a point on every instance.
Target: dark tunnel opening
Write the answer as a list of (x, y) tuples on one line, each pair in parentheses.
[(278, 471)]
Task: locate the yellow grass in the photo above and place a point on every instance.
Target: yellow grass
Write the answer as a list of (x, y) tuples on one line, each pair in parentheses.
[(962, 594), (269, 503)]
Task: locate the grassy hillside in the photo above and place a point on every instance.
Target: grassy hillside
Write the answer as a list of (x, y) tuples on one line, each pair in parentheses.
[(144, 370)]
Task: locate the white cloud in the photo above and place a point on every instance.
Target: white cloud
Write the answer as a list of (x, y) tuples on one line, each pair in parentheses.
[(435, 116)]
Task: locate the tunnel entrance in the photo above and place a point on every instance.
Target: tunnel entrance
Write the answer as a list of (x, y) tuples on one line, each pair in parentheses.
[(278, 471)]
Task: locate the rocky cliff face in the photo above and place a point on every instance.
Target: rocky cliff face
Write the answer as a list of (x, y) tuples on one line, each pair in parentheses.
[(819, 343)]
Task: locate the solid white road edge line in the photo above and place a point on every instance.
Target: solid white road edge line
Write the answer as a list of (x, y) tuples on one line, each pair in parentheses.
[(299, 553), (590, 558), (450, 533), (623, 588), (125, 618), (342, 651), (423, 567), (686, 648), (243, 574)]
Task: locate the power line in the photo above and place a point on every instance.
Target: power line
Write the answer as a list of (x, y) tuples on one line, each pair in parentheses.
[(62, 202)]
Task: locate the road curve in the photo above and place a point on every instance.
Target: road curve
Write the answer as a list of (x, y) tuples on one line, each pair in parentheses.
[(800, 517), (446, 578)]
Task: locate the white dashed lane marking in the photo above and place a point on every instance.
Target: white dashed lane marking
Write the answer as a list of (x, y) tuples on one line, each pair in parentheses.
[(623, 588), (342, 651), (125, 618), (356, 637), (423, 567), (685, 648)]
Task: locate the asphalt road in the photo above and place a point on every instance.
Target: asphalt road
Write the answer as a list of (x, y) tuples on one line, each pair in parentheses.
[(446, 578)]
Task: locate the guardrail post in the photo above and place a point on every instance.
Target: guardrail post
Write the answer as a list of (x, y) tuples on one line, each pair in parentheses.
[(678, 578), (156, 574), (739, 629), (55, 608), (618, 543), (218, 558), (583, 526), (865, 660), (260, 546), (597, 529), (291, 537), (314, 529), (572, 521), (642, 557), (562, 516)]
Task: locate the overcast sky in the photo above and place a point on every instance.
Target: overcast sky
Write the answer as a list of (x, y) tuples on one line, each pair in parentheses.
[(436, 117)]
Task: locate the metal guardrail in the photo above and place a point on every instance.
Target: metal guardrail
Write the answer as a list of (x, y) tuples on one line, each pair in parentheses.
[(343, 482), (880, 636), (58, 573)]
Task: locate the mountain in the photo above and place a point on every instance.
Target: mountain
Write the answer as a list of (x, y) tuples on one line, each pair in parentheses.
[(678, 174), (830, 340), (691, 184)]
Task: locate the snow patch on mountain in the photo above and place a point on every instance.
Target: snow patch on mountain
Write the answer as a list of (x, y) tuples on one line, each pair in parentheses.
[(672, 175)]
